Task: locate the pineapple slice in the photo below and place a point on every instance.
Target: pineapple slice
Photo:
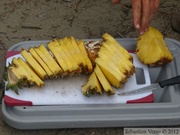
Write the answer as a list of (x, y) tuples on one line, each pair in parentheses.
[(13, 79), (92, 86), (108, 38), (48, 59), (88, 66), (54, 48), (40, 61), (112, 76), (103, 81), (73, 51), (75, 46), (20, 74), (152, 49), (31, 73), (34, 64), (111, 62), (71, 62)]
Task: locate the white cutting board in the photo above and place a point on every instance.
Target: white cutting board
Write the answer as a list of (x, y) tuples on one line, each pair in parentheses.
[(68, 91)]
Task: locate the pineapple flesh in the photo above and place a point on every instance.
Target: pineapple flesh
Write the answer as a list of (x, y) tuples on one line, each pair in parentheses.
[(92, 86), (34, 64), (40, 61), (152, 49), (104, 82)]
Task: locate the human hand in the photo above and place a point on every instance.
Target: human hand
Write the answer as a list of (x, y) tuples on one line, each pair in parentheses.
[(143, 11)]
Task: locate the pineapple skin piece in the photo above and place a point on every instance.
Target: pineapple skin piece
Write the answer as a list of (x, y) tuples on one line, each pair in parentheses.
[(92, 86), (152, 49)]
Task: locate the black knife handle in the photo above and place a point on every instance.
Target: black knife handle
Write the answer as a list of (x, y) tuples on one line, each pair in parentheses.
[(171, 81)]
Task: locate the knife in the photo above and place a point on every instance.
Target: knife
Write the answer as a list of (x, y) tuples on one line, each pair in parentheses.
[(155, 86)]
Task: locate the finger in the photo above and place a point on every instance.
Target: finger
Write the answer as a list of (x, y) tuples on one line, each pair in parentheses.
[(145, 16), (136, 7), (115, 1)]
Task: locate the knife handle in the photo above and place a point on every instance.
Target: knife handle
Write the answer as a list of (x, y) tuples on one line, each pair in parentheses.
[(171, 81)]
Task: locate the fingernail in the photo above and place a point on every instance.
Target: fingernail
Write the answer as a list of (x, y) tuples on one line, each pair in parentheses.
[(141, 33), (146, 29), (137, 26)]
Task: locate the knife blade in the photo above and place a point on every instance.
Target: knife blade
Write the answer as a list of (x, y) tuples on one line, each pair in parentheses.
[(155, 86)]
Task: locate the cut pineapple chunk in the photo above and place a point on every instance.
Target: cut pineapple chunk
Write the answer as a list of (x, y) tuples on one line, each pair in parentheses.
[(34, 64), (103, 81), (152, 49), (72, 49), (110, 73), (108, 58), (40, 61), (48, 59), (25, 72), (108, 38), (71, 62), (92, 86), (88, 66), (54, 48)]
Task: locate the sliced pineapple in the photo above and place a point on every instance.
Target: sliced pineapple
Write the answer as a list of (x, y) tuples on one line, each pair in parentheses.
[(35, 78), (152, 49), (110, 64), (54, 48), (103, 81), (40, 61), (21, 75), (88, 66), (92, 86), (72, 49), (48, 59), (108, 58), (75, 69), (125, 65), (110, 73), (108, 38), (34, 64)]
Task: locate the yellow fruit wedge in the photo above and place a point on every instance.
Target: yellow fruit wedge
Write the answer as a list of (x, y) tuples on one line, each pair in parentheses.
[(48, 59), (110, 73), (34, 64), (76, 48), (88, 66), (103, 81), (72, 50), (40, 61), (108, 58), (92, 86), (31, 75), (152, 49), (108, 38), (71, 62), (54, 48)]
